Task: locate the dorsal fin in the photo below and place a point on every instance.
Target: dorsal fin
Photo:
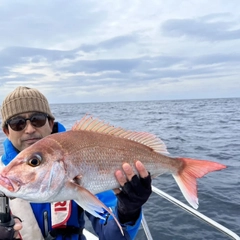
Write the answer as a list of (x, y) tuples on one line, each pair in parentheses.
[(88, 123)]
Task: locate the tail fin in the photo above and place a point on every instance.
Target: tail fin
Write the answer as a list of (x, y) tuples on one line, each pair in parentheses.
[(187, 175)]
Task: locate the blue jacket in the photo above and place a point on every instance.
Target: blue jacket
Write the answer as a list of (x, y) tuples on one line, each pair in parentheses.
[(104, 229)]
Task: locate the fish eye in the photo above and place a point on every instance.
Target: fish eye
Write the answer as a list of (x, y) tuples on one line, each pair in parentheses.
[(35, 161)]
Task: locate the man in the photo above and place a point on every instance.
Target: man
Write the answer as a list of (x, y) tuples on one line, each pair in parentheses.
[(26, 118)]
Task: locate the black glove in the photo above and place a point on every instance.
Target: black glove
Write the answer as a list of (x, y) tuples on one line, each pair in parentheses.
[(6, 232), (133, 195), (6, 229)]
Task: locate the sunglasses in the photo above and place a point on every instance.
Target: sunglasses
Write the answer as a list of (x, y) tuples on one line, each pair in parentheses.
[(19, 123)]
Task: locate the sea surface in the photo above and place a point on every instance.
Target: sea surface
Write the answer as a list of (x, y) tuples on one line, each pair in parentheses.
[(202, 129)]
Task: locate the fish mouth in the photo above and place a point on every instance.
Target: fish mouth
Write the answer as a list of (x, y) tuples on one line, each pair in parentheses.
[(6, 183)]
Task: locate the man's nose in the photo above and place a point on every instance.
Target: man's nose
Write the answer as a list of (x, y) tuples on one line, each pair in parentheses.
[(29, 127)]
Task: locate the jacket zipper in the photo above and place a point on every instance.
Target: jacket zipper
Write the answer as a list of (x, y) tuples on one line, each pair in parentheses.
[(45, 218)]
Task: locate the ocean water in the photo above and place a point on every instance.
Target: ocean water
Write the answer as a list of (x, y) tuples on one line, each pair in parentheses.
[(202, 129)]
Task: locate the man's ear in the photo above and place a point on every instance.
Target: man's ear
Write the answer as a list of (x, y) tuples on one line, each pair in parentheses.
[(6, 131)]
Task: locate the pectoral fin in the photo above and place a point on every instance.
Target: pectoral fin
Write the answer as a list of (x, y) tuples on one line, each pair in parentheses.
[(90, 202)]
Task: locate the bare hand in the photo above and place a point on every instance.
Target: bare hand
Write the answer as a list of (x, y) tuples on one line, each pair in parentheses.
[(17, 227), (128, 173)]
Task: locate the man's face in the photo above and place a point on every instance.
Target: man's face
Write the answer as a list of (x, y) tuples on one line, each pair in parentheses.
[(30, 134)]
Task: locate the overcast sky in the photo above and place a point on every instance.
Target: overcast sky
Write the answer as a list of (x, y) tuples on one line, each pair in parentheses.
[(121, 50)]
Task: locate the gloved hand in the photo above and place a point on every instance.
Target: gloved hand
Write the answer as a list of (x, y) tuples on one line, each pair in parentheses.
[(17, 227), (9, 230), (134, 193)]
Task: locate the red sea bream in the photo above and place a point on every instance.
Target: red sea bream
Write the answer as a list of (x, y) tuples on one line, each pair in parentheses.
[(81, 162)]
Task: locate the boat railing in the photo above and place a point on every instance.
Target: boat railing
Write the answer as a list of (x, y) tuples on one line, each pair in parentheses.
[(190, 210)]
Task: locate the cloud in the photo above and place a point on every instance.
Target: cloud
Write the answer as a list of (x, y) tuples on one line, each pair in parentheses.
[(17, 55), (102, 51), (51, 21), (204, 28), (230, 58), (113, 43)]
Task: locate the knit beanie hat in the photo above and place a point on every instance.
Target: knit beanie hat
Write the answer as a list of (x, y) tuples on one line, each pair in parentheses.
[(24, 99)]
